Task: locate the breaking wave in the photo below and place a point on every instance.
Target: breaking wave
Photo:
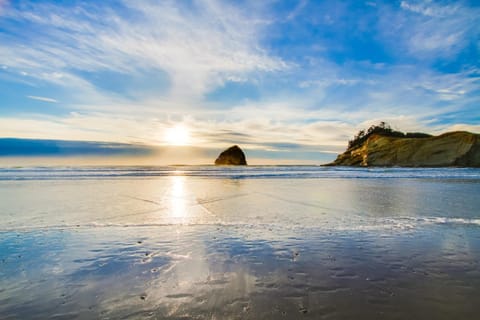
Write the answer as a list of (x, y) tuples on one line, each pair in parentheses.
[(250, 172)]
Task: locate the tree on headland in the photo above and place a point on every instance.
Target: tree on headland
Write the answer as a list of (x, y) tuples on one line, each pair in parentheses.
[(382, 129)]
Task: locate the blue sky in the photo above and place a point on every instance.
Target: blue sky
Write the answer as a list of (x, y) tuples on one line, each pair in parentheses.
[(286, 80)]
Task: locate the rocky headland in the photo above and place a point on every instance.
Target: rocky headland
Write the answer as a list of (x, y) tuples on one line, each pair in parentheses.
[(459, 148)]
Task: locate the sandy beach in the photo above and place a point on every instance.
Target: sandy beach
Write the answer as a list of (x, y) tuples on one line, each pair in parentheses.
[(274, 245)]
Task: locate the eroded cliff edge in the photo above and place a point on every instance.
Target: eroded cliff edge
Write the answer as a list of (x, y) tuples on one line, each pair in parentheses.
[(457, 148)]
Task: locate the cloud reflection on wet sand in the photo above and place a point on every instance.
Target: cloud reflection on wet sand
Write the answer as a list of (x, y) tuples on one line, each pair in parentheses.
[(228, 272), (191, 247)]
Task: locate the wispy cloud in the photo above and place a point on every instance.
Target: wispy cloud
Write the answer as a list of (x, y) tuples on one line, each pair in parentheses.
[(125, 72), (198, 46), (431, 30), (44, 99), (427, 8), (294, 13)]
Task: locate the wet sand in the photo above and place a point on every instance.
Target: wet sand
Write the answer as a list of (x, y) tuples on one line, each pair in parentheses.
[(218, 272), (185, 247)]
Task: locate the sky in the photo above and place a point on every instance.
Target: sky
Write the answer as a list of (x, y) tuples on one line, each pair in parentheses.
[(288, 81)]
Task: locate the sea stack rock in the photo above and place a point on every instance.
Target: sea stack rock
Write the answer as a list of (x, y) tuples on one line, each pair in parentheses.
[(233, 156)]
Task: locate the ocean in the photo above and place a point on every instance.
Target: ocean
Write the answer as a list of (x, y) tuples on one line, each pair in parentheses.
[(256, 242)]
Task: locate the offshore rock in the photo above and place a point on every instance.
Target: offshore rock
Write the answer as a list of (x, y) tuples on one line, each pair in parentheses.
[(459, 148), (232, 156)]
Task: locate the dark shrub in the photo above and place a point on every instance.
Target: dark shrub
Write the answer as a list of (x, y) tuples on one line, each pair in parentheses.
[(382, 129), (417, 135)]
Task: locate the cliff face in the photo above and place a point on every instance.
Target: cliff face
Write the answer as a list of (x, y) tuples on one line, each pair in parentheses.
[(449, 149), (232, 156)]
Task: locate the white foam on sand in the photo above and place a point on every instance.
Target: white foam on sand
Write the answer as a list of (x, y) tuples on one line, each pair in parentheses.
[(374, 224)]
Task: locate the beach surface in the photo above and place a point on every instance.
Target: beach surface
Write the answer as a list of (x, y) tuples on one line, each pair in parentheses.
[(239, 243)]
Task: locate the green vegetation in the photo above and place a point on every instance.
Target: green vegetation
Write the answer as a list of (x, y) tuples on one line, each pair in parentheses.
[(382, 129)]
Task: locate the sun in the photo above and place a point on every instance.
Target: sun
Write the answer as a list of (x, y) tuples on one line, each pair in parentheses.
[(178, 135)]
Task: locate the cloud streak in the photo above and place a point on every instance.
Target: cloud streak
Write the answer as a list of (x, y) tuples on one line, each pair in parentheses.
[(430, 30), (44, 99), (37, 147), (199, 47)]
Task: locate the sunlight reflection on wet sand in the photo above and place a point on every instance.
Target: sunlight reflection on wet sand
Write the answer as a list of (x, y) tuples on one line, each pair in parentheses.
[(183, 247)]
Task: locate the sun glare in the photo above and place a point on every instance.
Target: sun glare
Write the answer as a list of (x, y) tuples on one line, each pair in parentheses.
[(177, 136)]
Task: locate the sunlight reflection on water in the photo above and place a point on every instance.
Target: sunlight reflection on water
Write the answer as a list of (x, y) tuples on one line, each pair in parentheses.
[(178, 198), (193, 247)]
